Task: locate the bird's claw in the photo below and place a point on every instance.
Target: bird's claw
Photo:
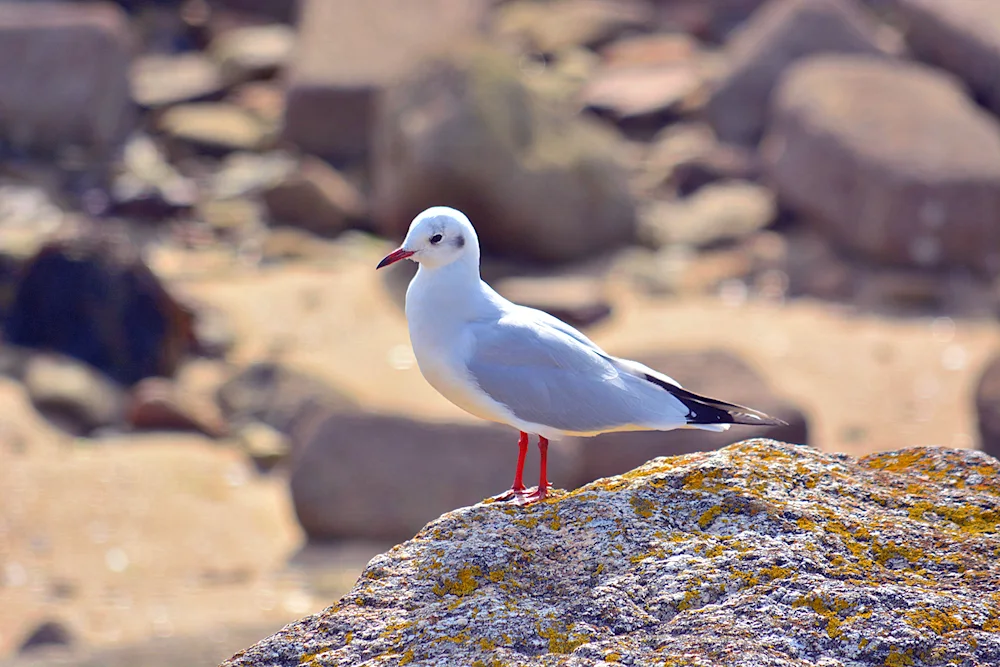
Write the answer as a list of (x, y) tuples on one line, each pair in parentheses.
[(521, 497)]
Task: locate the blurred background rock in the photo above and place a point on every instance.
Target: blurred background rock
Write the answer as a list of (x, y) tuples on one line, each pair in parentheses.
[(211, 417)]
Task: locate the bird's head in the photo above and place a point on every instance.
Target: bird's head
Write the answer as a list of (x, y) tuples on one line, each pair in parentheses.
[(437, 237)]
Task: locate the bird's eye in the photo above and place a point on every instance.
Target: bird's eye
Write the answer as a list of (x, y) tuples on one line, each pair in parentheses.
[(436, 239)]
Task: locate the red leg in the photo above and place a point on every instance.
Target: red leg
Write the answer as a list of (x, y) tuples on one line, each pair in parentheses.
[(517, 488), (543, 478)]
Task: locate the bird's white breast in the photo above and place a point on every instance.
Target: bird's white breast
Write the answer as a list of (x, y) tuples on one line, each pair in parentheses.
[(441, 348)]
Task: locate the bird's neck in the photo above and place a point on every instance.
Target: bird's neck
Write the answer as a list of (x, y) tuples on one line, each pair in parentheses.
[(454, 290)]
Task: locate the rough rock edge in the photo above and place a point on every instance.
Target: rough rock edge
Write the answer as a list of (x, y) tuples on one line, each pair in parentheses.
[(762, 553)]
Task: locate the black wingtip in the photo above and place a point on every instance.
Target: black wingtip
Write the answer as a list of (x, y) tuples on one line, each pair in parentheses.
[(704, 410)]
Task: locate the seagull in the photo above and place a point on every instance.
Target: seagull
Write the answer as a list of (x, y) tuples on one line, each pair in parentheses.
[(525, 368)]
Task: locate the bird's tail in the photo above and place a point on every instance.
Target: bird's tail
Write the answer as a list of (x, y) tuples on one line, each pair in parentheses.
[(713, 414)]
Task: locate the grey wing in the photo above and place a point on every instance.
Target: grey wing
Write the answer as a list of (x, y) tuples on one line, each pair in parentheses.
[(546, 376)]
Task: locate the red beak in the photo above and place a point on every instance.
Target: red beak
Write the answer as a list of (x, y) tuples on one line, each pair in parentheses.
[(394, 257)]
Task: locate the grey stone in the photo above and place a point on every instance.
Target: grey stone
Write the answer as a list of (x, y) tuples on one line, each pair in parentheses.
[(348, 51), (64, 76), (717, 213), (912, 189), (537, 181), (160, 80), (358, 474), (71, 393), (780, 33)]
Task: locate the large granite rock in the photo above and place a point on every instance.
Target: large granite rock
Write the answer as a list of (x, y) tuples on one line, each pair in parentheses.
[(962, 36), (713, 373), (780, 33), (536, 180), (348, 51), (760, 554), (364, 475), (918, 188), (64, 76)]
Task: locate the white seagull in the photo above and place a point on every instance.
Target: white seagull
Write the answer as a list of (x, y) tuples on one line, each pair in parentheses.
[(525, 368)]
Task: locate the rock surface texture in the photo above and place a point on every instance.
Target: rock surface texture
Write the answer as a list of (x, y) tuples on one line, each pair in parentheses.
[(759, 554), (775, 37), (962, 36), (915, 189)]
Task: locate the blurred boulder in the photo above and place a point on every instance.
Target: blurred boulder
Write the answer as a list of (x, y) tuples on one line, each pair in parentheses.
[(73, 394), (93, 298), (987, 402), (538, 182), (159, 80), (266, 445), (64, 76), (215, 127), (962, 36), (917, 188), (252, 51), (348, 51), (714, 373), (375, 476), (721, 212), (315, 197), (279, 397), (147, 186), (687, 156), (158, 404), (556, 25), (780, 33)]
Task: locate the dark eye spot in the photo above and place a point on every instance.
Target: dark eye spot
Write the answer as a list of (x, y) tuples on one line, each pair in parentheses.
[(436, 239)]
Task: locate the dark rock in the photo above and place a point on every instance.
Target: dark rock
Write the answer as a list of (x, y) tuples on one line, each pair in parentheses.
[(93, 298), (762, 554), (713, 373), (72, 394), (64, 76), (962, 36), (778, 35), (47, 635), (538, 182), (348, 52), (914, 192), (376, 476)]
